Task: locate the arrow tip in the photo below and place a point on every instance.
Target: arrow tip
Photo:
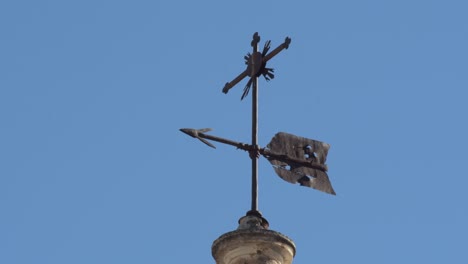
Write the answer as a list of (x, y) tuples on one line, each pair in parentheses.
[(189, 131), (195, 134)]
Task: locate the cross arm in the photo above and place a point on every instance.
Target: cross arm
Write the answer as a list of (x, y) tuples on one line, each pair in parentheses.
[(231, 84), (274, 52)]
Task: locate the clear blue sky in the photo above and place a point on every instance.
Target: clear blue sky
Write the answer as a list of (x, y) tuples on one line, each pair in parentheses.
[(93, 168)]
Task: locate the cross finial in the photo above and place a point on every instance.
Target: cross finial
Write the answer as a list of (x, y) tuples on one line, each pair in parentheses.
[(256, 66)]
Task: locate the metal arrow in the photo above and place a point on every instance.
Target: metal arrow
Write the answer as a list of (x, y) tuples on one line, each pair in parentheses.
[(310, 171)]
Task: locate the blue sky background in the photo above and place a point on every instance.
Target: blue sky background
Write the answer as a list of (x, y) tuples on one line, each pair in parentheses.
[(93, 168)]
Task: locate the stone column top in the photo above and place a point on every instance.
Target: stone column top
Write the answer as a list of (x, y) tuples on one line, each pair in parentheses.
[(251, 243)]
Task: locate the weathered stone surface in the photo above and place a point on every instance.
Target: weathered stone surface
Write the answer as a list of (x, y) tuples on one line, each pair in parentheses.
[(253, 244)]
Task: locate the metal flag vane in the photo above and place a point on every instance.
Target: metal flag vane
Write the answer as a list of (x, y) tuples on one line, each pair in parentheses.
[(295, 159)]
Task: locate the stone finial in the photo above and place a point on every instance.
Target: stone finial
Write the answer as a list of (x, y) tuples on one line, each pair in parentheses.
[(252, 243)]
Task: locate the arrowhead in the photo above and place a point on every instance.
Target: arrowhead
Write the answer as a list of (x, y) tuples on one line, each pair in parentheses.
[(190, 131), (194, 133)]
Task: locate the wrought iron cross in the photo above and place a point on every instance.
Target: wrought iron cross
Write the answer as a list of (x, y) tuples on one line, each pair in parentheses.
[(295, 159)]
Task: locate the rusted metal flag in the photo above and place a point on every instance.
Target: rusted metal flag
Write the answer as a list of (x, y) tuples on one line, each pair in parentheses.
[(300, 160)]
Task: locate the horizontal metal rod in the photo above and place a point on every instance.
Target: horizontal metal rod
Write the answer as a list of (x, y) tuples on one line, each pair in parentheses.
[(266, 152), (262, 151)]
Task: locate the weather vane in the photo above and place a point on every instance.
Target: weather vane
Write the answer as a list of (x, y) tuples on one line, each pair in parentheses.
[(295, 159)]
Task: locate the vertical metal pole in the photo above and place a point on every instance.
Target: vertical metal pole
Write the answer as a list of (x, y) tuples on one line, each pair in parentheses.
[(255, 132)]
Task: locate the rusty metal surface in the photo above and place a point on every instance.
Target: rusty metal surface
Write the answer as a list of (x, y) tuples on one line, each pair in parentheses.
[(291, 159), (256, 65)]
